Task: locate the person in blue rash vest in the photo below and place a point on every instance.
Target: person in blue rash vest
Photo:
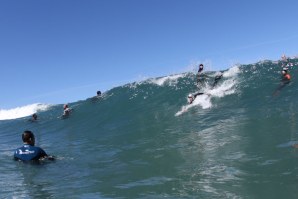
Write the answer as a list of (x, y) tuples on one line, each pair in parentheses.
[(30, 152)]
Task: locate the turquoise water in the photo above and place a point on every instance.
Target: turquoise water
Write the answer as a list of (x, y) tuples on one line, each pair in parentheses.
[(143, 140)]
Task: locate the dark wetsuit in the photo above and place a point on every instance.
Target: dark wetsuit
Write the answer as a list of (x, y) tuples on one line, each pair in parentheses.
[(200, 69), (200, 78), (216, 79), (196, 94), (28, 152)]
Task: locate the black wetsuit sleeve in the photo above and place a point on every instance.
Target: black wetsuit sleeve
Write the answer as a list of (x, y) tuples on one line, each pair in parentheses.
[(196, 94), (42, 154)]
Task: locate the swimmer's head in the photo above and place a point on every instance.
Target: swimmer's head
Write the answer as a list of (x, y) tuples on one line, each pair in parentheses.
[(28, 138), (98, 93), (34, 116), (190, 98), (284, 71), (65, 106)]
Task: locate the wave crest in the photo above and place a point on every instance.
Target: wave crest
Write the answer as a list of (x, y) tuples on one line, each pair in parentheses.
[(23, 111)]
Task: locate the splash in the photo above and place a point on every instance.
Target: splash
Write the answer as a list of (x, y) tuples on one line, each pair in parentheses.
[(172, 79), (232, 72), (22, 111), (202, 100), (227, 87)]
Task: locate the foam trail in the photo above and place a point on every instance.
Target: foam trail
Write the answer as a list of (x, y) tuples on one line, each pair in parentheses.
[(22, 111), (226, 88), (202, 100)]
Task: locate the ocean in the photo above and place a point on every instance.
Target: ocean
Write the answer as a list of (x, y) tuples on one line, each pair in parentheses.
[(143, 140)]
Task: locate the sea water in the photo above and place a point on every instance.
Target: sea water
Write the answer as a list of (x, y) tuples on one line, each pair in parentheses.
[(143, 140)]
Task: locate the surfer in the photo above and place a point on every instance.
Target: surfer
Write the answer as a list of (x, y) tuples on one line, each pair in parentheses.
[(34, 118), (29, 151), (199, 76), (98, 94), (286, 79), (66, 110), (192, 97), (97, 97), (217, 78), (201, 67)]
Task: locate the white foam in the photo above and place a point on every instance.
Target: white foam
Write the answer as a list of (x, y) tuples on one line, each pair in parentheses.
[(226, 88), (202, 100), (22, 111), (172, 79), (231, 72)]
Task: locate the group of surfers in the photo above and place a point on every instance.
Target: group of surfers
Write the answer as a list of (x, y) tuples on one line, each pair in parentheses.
[(286, 78), (200, 81), (29, 152)]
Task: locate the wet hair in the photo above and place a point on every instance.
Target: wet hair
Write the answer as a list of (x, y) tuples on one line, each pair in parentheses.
[(98, 93), (28, 136), (201, 64), (34, 115)]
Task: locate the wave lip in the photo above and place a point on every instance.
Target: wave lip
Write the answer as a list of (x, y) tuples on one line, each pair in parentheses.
[(23, 111), (170, 79)]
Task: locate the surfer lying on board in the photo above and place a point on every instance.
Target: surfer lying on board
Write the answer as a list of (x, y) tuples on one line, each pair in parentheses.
[(192, 97), (30, 152), (286, 79)]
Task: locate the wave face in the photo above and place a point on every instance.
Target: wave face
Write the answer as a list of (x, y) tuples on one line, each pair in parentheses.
[(143, 140)]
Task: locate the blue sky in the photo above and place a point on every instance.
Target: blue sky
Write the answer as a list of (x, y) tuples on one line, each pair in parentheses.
[(59, 51)]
